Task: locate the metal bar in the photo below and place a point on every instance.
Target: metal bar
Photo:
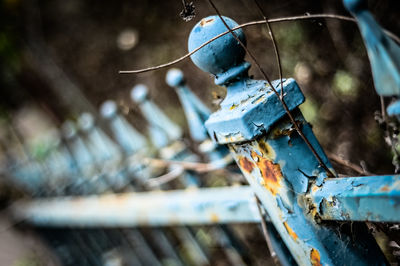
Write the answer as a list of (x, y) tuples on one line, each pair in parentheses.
[(188, 207), (369, 198), (273, 156)]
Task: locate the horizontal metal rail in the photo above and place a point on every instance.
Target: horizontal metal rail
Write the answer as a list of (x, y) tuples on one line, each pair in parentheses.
[(369, 198), (157, 208)]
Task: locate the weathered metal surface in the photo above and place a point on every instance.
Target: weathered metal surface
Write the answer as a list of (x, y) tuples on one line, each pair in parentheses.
[(158, 208), (275, 160), (370, 198)]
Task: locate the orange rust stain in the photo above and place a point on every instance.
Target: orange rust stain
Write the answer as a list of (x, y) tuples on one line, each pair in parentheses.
[(233, 107), (204, 22), (265, 149), (214, 218), (261, 99), (270, 172), (246, 165), (314, 188), (290, 231), (315, 258), (385, 188)]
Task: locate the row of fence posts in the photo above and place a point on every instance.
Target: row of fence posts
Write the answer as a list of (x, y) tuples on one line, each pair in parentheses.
[(86, 162), (268, 137)]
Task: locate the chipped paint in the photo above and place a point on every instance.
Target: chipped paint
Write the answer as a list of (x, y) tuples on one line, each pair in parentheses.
[(315, 258), (271, 174), (372, 198), (266, 149), (286, 168), (290, 231), (205, 22)]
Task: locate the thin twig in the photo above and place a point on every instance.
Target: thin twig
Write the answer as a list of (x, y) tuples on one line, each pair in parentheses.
[(168, 177), (266, 234), (383, 108), (251, 23), (348, 164), (276, 50), (294, 122)]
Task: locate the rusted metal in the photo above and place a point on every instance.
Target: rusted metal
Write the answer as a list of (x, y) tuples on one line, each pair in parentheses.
[(275, 160)]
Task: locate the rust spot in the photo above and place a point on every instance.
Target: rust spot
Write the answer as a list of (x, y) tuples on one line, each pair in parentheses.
[(314, 188), (214, 218), (204, 22), (290, 231), (385, 188), (233, 107), (315, 258), (265, 149), (259, 100), (270, 172), (246, 165)]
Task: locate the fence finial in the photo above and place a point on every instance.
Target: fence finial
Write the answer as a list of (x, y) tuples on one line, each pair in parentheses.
[(222, 54), (383, 52)]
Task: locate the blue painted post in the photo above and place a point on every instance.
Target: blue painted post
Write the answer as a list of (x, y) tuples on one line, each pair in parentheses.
[(171, 148), (219, 155), (61, 168), (154, 115), (130, 140), (276, 162), (165, 134), (133, 143), (196, 114), (88, 178), (383, 52), (102, 147), (107, 155)]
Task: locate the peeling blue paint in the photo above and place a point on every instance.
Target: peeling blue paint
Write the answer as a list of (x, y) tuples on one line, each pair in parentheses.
[(372, 198), (274, 159)]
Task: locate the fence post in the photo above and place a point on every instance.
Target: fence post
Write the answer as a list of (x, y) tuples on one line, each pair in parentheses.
[(196, 114), (275, 160)]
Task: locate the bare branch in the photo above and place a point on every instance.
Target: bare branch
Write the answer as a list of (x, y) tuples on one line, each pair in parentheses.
[(251, 23)]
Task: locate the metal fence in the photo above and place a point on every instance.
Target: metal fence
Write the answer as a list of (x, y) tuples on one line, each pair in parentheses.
[(153, 201)]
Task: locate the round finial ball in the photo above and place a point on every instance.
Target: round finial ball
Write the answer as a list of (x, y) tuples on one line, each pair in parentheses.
[(68, 129), (108, 109), (86, 121), (221, 54), (139, 93), (174, 77)]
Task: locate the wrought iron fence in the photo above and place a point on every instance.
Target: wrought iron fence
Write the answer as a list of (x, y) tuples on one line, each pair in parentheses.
[(151, 201)]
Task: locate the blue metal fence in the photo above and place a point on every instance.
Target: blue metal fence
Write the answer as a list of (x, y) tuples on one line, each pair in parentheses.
[(94, 182)]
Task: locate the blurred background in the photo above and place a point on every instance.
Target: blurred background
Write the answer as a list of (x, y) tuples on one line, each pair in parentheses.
[(61, 58)]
